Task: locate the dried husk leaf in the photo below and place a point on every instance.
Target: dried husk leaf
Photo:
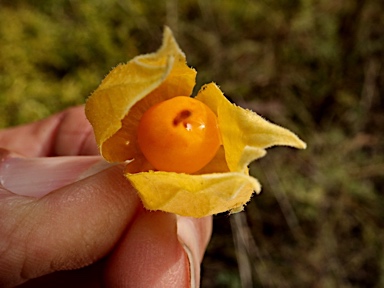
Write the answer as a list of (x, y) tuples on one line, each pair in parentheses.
[(117, 105), (245, 134), (194, 195)]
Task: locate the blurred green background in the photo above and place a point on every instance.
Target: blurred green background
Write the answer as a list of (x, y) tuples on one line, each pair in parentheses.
[(315, 67)]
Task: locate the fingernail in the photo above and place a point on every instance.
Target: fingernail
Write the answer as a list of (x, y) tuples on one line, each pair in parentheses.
[(187, 237), (37, 177)]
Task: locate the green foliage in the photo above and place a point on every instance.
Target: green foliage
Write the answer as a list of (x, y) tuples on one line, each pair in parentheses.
[(315, 67), (54, 53)]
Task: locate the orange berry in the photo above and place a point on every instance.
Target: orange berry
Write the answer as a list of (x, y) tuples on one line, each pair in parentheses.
[(179, 135)]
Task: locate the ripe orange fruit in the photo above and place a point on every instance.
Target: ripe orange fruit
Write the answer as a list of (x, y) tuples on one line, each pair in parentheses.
[(179, 135)]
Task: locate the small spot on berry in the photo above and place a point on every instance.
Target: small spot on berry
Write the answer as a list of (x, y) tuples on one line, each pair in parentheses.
[(181, 117)]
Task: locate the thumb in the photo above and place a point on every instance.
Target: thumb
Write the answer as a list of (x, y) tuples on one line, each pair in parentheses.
[(69, 228)]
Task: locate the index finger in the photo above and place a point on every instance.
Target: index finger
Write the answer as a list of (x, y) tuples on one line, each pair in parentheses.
[(67, 133)]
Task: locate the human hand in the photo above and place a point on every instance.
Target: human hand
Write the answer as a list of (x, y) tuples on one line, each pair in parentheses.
[(77, 222)]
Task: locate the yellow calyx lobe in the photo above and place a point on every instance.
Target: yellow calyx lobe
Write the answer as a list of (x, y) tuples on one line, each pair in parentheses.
[(179, 135)]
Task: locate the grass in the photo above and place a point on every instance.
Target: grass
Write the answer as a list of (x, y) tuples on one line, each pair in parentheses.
[(315, 67)]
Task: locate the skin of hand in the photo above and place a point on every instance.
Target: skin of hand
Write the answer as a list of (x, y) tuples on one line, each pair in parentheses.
[(76, 221)]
